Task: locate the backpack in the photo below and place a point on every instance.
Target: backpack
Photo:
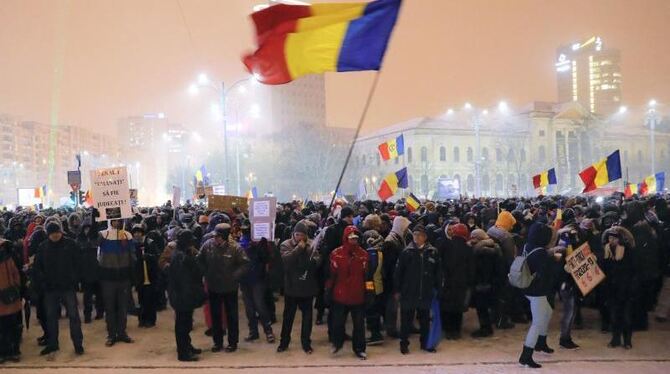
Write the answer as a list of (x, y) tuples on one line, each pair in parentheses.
[(519, 273)]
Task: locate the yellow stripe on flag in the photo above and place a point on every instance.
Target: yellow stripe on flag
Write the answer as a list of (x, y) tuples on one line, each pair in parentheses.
[(651, 184), (333, 14), (393, 148), (544, 179), (602, 178), (320, 9), (316, 51), (392, 181)]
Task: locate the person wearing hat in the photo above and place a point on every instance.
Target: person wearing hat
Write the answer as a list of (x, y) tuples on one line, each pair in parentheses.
[(393, 245), (186, 292), (417, 277), (375, 286), (146, 278), (488, 276), (224, 263), (301, 263), (11, 291), (619, 267), (348, 273), (57, 268), (500, 232)]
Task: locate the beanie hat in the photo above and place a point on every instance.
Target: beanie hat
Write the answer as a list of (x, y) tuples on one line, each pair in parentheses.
[(53, 227), (478, 234), (301, 227), (539, 235), (222, 230), (347, 211), (505, 220), (420, 228), (459, 230), (203, 219)]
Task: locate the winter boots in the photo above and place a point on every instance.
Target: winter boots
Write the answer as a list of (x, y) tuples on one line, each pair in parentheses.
[(526, 358)]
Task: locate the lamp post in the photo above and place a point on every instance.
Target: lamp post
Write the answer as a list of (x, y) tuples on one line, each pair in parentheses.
[(651, 122)]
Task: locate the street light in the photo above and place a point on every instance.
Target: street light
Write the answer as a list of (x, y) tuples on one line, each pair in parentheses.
[(623, 109), (652, 119)]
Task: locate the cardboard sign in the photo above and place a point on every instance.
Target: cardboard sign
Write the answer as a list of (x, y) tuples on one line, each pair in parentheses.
[(176, 196), (74, 177), (216, 202), (111, 193), (583, 267), (209, 190), (262, 216)]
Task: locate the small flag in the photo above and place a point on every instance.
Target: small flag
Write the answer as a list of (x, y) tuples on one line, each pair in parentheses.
[(545, 178), (391, 183), (654, 183), (602, 172), (392, 148), (254, 192), (201, 176), (435, 332), (40, 192), (88, 198), (413, 203), (630, 190)]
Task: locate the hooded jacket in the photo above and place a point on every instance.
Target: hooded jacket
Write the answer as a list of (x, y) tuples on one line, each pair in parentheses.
[(348, 271), (223, 265), (457, 262), (393, 245), (57, 265), (300, 268), (621, 277), (489, 266), (417, 276)]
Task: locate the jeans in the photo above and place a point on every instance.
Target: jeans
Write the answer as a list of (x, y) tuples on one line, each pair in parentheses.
[(568, 298), (291, 304), (148, 299), (11, 328), (232, 317), (53, 301), (407, 323), (391, 315), (92, 289), (115, 299), (255, 308), (541, 310), (183, 324), (340, 313)]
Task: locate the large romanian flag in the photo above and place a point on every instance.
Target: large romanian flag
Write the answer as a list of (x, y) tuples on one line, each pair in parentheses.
[(545, 178), (392, 148), (295, 40), (391, 183), (602, 172), (652, 184)]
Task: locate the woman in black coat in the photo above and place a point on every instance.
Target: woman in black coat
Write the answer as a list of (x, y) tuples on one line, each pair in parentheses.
[(87, 240)]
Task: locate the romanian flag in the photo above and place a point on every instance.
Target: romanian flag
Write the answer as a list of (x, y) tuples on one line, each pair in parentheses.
[(652, 184), (392, 148), (41, 192), (88, 198), (201, 176), (413, 203), (545, 178), (602, 172), (391, 183), (295, 40), (630, 190)]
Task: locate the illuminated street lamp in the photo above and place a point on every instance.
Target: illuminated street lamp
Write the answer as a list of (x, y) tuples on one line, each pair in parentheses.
[(652, 120)]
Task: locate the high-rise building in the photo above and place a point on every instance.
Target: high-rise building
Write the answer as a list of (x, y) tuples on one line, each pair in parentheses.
[(589, 74), (302, 101)]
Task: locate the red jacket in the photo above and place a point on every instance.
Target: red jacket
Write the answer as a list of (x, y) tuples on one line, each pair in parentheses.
[(348, 269)]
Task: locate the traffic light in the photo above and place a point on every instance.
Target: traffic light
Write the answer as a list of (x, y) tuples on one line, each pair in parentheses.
[(82, 197)]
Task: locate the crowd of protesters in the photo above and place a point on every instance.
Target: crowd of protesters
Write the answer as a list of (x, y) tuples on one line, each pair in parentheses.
[(379, 263)]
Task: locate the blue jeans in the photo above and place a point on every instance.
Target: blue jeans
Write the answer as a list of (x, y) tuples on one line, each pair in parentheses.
[(569, 310), (53, 300), (541, 310)]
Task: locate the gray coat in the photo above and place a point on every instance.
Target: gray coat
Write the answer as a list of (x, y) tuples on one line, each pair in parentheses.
[(223, 265), (300, 268)]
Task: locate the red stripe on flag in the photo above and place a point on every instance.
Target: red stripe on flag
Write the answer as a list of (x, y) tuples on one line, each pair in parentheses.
[(536, 181), (385, 191), (268, 63), (384, 150), (588, 176), (271, 17)]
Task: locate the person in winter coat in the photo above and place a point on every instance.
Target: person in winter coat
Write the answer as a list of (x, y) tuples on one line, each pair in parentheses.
[(117, 261), (146, 278), (57, 267), (346, 284), (301, 265), (539, 261), (87, 240), (186, 292), (224, 263), (618, 244), (375, 310), (418, 277), (488, 277), (500, 233), (457, 262), (393, 245), (11, 290)]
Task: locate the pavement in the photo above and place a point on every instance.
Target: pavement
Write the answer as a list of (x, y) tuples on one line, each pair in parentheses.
[(154, 352)]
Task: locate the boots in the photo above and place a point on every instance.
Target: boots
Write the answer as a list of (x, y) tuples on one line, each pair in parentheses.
[(627, 340), (541, 345), (526, 358)]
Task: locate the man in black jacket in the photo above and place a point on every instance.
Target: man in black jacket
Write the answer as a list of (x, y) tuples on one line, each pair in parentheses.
[(57, 268), (417, 277)]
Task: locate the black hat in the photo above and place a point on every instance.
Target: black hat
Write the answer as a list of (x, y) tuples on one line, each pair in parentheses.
[(347, 211), (539, 235), (222, 230), (185, 238), (420, 228), (53, 227)]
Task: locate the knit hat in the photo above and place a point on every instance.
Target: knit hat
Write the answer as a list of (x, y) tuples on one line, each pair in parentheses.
[(53, 227), (222, 230), (505, 220), (539, 235), (420, 228), (301, 227), (347, 211), (478, 234), (203, 219), (459, 230)]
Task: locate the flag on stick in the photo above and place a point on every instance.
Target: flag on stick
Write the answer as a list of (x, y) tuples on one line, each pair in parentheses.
[(391, 183), (602, 172)]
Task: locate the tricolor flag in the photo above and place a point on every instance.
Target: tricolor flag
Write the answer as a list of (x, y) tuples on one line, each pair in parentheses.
[(41, 192), (391, 183), (630, 190), (295, 40), (392, 148), (545, 178), (602, 172), (88, 198), (201, 176), (413, 203), (651, 184)]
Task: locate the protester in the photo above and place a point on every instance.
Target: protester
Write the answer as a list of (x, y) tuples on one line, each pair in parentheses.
[(87, 240), (12, 287), (618, 265), (457, 266), (489, 275), (146, 278)]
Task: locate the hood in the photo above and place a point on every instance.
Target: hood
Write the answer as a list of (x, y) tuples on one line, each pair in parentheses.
[(345, 242), (486, 246), (400, 225), (505, 221), (625, 236)]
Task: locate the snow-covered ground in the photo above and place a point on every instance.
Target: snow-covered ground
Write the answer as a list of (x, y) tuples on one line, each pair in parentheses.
[(154, 352)]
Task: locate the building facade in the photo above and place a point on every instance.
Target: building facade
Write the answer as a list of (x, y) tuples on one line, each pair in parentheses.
[(512, 149), (590, 74)]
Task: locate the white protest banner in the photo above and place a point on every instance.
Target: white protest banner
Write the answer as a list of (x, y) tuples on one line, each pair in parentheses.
[(111, 193), (176, 196), (582, 265), (262, 214)]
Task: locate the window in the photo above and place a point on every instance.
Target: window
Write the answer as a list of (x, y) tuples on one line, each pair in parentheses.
[(523, 155), (486, 183), (424, 154), (485, 154), (457, 154), (469, 154), (499, 182), (409, 155), (443, 154), (457, 177), (470, 183), (510, 156), (424, 184), (541, 132), (498, 155), (639, 156), (542, 153)]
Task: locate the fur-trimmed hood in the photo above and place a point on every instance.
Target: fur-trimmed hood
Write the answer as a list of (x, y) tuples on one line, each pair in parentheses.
[(625, 236)]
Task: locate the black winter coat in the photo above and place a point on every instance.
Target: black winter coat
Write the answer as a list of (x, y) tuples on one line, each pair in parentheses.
[(417, 276), (58, 265), (457, 262), (489, 269), (620, 278), (540, 264), (88, 245), (185, 288)]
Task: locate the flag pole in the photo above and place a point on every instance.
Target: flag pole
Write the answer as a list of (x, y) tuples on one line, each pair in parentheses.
[(358, 130)]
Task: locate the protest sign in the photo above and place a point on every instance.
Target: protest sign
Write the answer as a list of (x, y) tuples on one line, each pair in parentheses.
[(226, 203), (262, 216), (133, 197), (582, 265), (111, 193), (74, 177), (176, 196)]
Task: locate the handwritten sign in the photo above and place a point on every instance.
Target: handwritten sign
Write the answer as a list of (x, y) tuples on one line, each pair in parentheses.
[(111, 193), (583, 267), (262, 215)]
